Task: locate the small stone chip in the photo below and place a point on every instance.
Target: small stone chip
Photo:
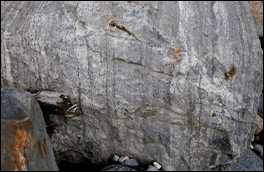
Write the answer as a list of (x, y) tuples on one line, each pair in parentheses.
[(123, 158), (157, 165), (115, 158)]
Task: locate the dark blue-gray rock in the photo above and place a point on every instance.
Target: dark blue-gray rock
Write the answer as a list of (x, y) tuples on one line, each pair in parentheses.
[(149, 77), (152, 168), (25, 145), (251, 162), (117, 167), (130, 163), (258, 148)]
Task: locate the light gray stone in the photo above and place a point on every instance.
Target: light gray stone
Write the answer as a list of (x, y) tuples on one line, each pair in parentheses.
[(148, 77), (123, 158)]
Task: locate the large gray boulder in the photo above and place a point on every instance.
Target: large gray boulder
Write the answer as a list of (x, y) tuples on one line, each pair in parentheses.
[(25, 144), (149, 77)]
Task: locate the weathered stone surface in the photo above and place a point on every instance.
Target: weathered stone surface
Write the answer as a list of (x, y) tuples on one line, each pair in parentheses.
[(258, 148), (152, 168), (130, 163), (117, 167), (257, 11), (149, 77), (123, 158), (25, 144), (251, 162)]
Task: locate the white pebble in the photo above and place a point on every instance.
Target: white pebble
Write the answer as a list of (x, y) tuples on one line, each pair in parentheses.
[(115, 158), (251, 146), (157, 165), (123, 158)]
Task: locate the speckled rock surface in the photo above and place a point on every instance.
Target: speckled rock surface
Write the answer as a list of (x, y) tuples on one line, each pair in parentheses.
[(25, 145), (149, 77), (251, 162)]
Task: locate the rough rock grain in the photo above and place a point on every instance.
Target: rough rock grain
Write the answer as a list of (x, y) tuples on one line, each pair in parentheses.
[(25, 145), (251, 162), (257, 11), (152, 168), (117, 167), (149, 77)]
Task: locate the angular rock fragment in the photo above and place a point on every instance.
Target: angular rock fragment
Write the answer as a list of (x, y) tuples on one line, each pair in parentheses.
[(123, 158), (56, 103)]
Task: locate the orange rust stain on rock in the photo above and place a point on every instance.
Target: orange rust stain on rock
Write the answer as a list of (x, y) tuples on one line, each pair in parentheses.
[(129, 2), (177, 52), (39, 147), (18, 149), (257, 9), (143, 7), (17, 137), (66, 6)]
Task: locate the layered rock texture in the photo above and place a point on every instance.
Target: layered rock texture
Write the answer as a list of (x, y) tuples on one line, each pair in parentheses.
[(25, 145), (172, 82)]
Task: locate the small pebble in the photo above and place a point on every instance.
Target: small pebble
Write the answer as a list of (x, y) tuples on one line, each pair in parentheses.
[(157, 165), (123, 158), (115, 158), (251, 146)]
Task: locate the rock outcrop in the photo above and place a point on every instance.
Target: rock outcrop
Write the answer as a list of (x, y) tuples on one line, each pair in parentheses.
[(148, 77), (25, 145)]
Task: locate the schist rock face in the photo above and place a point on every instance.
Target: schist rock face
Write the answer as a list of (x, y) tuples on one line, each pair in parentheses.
[(148, 77)]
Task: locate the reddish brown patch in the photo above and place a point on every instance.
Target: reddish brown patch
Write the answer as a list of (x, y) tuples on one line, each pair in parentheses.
[(17, 136), (143, 7), (214, 114), (260, 114), (32, 90), (257, 10), (66, 6), (40, 150), (18, 149), (129, 2), (177, 52), (230, 73)]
